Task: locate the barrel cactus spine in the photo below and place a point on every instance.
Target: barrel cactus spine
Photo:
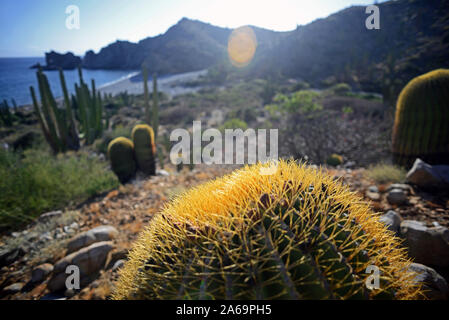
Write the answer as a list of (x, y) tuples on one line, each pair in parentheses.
[(421, 127), (144, 148), (296, 234), (121, 156)]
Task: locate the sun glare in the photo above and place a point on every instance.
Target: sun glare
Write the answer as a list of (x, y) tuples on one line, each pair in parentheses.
[(242, 45)]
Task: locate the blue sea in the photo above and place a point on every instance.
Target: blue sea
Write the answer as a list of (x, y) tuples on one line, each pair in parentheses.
[(16, 77)]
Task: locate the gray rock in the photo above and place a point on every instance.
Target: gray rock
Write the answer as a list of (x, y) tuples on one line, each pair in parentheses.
[(49, 215), (435, 285), (162, 172), (402, 186), (89, 260), (102, 233), (45, 236), (41, 272), (13, 288), (397, 197), (393, 220), (429, 246), (426, 176), (118, 264), (8, 256), (69, 293), (374, 189), (375, 196)]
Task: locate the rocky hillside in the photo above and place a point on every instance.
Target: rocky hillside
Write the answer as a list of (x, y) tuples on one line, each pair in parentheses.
[(187, 46), (413, 39)]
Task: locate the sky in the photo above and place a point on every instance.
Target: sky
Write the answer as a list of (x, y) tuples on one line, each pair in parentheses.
[(29, 28)]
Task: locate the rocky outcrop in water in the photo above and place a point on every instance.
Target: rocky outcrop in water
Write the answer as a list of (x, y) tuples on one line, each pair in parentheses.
[(54, 61)]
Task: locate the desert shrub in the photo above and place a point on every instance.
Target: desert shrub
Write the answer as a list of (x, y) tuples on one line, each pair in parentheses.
[(35, 181), (234, 124), (340, 89), (384, 173), (303, 101)]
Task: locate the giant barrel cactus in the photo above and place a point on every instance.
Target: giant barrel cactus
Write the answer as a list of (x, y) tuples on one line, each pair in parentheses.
[(121, 156), (421, 126), (144, 148), (295, 234)]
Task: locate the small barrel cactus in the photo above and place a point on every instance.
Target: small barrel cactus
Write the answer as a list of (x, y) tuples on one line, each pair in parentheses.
[(295, 234), (421, 126), (121, 156), (334, 160), (144, 148)]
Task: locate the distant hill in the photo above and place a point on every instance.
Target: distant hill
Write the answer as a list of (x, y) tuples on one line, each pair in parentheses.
[(187, 46), (413, 39)]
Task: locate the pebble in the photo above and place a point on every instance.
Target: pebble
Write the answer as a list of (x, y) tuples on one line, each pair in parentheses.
[(397, 197)]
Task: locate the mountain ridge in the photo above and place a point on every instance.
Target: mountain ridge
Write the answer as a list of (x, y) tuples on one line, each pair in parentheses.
[(413, 39)]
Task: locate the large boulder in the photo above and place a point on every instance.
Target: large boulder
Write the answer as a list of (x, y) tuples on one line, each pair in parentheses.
[(434, 285), (41, 272), (427, 176), (392, 220), (89, 260), (8, 256), (101, 233), (429, 246)]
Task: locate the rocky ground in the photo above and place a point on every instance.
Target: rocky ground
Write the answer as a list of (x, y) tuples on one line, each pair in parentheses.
[(97, 235)]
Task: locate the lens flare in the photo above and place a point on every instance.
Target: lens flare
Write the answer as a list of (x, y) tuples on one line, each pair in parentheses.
[(242, 45)]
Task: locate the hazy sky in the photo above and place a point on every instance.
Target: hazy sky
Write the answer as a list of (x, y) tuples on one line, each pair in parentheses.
[(31, 27)]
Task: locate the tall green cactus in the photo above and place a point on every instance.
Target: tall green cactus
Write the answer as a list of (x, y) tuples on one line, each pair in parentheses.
[(151, 114), (90, 109), (421, 126), (57, 124), (144, 148), (155, 113), (292, 234), (146, 95), (5, 114), (121, 156)]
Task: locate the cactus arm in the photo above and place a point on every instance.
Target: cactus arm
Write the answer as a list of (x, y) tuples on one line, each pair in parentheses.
[(47, 135), (146, 95), (48, 115), (155, 113)]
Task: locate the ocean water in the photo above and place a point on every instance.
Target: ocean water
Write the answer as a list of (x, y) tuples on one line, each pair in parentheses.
[(16, 77)]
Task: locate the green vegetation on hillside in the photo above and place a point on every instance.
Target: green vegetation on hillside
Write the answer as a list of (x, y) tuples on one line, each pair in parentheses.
[(36, 181)]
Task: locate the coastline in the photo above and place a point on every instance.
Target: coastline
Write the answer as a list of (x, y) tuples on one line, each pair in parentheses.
[(170, 84)]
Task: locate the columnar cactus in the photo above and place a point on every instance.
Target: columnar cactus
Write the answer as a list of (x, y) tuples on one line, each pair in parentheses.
[(144, 148), (57, 124), (294, 234), (90, 109), (421, 126), (121, 156)]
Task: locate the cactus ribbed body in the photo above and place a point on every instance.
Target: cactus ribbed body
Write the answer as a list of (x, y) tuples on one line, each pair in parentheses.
[(144, 148), (121, 156), (57, 124), (295, 234), (421, 127)]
